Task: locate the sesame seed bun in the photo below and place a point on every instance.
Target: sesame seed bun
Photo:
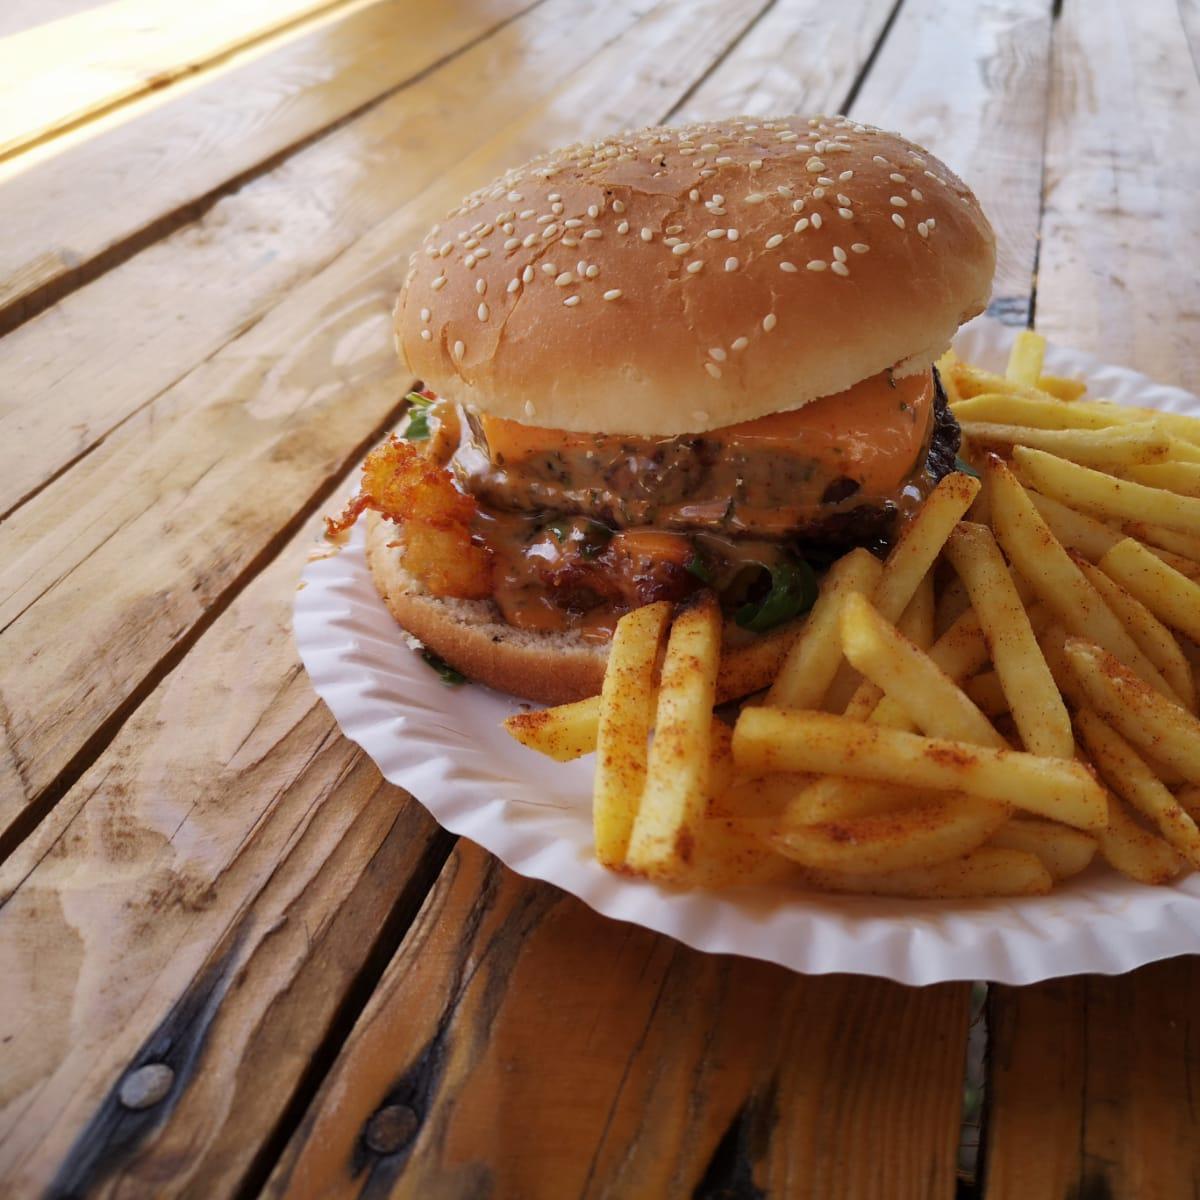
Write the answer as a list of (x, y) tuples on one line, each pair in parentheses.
[(676, 280), (549, 668)]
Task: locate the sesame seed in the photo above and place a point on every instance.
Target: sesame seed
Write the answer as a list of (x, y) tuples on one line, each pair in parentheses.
[(707, 172), (814, 166), (613, 294), (860, 247), (647, 234), (446, 247), (789, 267), (581, 267), (713, 370), (931, 222), (816, 264), (530, 411), (556, 209), (426, 336), (718, 198), (425, 315), (818, 193), (839, 254), (755, 164), (593, 211), (755, 198), (671, 241), (715, 233), (731, 264), (880, 159), (570, 242), (898, 220), (897, 201), (732, 234), (623, 227), (681, 248), (784, 191), (674, 229), (563, 279), (526, 213), (618, 206), (438, 283), (797, 206), (825, 181), (896, 177), (513, 285), (592, 272), (459, 350), (571, 301), (512, 243), (739, 344), (717, 354), (483, 312), (694, 195), (549, 231), (801, 225), (481, 286), (528, 240), (545, 218), (769, 322), (515, 197), (923, 229), (847, 214), (839, 268), (816, 220), (469, 261), (846, 175), (776, 239), (694, 266), (594, 233), (844, 201), (572, 223)]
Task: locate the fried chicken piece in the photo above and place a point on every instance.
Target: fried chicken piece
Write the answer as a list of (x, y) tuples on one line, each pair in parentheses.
[(433, 516)]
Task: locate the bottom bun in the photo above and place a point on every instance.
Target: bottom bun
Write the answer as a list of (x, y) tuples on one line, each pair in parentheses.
[(550, 668)]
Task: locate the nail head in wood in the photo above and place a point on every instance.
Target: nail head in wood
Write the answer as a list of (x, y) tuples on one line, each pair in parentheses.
[(146, 1086), (390, 1128)]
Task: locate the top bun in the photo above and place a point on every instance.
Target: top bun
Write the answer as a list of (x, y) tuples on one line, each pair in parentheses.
[(675, 280)]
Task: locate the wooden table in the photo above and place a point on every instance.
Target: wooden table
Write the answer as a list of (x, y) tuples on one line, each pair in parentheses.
[(233, 960)]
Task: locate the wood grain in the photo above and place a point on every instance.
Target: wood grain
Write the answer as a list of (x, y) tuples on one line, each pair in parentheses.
[(1120, 238), (1093, 1086), (192, 490), (58, 74), (206, 897), (253, 247), (971, 83), (569, 1055), (156, 167)]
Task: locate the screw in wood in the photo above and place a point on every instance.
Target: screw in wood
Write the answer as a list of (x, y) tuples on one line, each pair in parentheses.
[(146, 1086), (390, 1128)]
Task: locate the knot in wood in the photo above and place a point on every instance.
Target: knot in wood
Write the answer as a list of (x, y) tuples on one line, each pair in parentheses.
[(146, 1086), (390, 1129)]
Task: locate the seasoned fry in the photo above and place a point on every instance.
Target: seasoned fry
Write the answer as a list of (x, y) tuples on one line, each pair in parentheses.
[(1102, 494), (728, 852), (936, 829), (1061, 387), (907, 675), (759, 797), (751, 666), (1075, 530), (1063, 851), (676, 790), (1181, 477), (1025, 358), (814, 657), (917, 620), (562, 733), (626, 712), (1154, 638), (1034, 701), (988, 871), (1184, 427), (987, 694), (1129, 776), (1156, 538), (1134, 851), (1059, 583), (772, 739), (1033, 411), (831, 798), (1148, 720), (1165, 592), (1124, 447)]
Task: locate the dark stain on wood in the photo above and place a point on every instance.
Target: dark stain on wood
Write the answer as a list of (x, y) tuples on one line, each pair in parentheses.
[(116, 1131), (1092, 1186), (729, 1174)]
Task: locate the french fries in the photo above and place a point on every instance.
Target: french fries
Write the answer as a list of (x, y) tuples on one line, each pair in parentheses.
[(1047, 605), (772, 739)]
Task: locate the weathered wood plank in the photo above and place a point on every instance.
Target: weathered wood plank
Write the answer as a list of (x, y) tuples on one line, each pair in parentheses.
[(1093, 1082), (970, 82), (539, 1050), (160, 163), (182, 500), (255, 246), (1120, 238), (58, 74), (210, 893)]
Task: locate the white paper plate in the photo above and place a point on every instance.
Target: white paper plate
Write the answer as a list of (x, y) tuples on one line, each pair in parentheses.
[(445, 746)]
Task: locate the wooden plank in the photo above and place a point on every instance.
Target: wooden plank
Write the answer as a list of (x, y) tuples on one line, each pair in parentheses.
[(158, 166), (283, 408), (547, 1052), (60, 73), (1093, 1082), (211, 893), (1093, 1086), (1120, 238), (970, 82), (254, 247)]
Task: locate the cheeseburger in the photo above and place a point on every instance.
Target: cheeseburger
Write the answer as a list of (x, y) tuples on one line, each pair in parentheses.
[(672, 359)]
